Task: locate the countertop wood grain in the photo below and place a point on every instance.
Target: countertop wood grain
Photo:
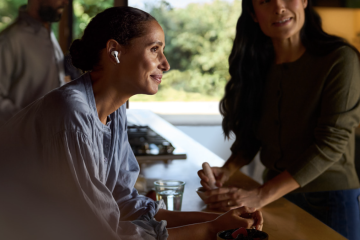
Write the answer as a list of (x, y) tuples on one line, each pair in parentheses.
[(283, 220)]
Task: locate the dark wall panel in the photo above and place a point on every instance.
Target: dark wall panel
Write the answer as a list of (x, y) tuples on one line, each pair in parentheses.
[(337, 3)]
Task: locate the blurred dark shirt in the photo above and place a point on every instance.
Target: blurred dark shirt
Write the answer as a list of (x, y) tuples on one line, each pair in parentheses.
[(31, 64)]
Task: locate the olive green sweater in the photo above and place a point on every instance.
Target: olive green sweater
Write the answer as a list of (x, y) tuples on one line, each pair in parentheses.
[(309, 114)]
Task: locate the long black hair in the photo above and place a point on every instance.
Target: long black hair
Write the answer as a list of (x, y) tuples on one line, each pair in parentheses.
[(119, 23), (249, 62)]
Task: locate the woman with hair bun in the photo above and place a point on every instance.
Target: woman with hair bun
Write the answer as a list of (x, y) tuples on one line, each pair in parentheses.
[(67, 170), (294, 95)]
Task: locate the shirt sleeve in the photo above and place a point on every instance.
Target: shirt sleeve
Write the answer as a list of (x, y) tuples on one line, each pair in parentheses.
[(75, 157), (340, 115), (151, 229), (7, 66), (135, 207), (131, 204)]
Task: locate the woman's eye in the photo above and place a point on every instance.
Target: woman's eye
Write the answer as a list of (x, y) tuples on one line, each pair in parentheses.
[(154, 49)]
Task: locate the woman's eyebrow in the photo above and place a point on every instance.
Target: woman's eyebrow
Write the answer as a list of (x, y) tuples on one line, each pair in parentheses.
[(156, 42)]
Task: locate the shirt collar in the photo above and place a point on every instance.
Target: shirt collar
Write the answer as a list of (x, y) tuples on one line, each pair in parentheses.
[(91, 99), (24, 16)]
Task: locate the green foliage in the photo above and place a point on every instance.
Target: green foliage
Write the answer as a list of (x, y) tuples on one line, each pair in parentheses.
[(84, 10), (198, 42), (9, 11)]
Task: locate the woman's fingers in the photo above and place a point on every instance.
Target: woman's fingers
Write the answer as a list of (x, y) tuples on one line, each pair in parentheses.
[(232, 219), (205, 185), (224, 205), (218, 191), (240, 217), (204, 180), (259, 220), (252, 213), (202, 176), (222, 194), (242, 210), (229, 197), (255, 216), (217, 198)]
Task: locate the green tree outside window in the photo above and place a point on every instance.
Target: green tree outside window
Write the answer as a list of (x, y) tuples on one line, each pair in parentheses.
[(198, 42)]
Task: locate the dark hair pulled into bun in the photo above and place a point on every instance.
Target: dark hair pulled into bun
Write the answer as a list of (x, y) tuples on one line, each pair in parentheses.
[(78, 52), (119, 23)]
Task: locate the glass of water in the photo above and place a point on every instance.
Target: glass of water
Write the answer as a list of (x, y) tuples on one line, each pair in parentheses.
[(171, 192)]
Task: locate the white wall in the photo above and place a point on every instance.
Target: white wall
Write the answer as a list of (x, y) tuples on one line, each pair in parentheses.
[(212, 138)]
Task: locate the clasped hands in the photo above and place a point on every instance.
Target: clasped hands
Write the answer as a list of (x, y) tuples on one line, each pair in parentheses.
[(227, 198)]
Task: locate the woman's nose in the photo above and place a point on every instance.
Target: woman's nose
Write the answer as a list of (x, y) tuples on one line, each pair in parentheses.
[(164, 65), (279, 6)]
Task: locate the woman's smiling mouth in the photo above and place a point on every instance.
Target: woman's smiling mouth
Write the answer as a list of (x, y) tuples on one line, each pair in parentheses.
[(283, 22), (157, 77)]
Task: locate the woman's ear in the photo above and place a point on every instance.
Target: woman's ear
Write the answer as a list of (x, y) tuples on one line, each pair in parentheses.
[(113, 50), (305, 3)]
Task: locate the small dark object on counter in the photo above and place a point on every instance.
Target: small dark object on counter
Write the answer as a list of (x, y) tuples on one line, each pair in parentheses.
[(151, 194), (239, 231), (227, 234), (252, 234)]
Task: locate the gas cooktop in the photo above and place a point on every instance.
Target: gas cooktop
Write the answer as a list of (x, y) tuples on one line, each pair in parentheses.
[(149, 146)]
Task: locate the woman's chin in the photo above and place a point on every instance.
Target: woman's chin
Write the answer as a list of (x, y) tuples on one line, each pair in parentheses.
[(153, 91), (150, 92)]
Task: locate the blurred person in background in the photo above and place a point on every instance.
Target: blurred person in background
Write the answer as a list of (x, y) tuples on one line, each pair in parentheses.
[(294, 95), (31, 60), (67, 170)]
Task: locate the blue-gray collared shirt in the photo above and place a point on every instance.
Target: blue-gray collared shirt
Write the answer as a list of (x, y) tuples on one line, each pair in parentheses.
[(58, 146)]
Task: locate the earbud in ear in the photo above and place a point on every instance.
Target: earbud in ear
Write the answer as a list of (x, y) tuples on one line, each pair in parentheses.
[(115, 54)]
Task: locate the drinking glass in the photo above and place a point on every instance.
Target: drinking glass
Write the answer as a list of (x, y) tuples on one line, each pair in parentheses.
[(171, 191)]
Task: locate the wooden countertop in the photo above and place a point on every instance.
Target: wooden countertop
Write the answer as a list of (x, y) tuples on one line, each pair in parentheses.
[(283, 220)]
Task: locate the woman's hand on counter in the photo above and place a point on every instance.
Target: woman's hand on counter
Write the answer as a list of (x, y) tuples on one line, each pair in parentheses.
[(221, 176), (225, 199), (239, 217), (228, 198)]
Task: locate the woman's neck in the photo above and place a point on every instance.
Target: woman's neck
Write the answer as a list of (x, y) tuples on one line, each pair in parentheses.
[(288, 50), (107, 97)]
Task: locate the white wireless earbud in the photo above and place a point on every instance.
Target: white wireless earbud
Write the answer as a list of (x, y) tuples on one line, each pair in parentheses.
[(115, 54)]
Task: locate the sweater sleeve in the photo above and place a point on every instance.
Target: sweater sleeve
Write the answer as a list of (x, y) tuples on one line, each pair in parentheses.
[(340, 114)]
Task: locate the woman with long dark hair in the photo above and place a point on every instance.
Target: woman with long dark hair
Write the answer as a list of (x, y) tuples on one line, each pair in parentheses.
[(294, 96), (67, 170)]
